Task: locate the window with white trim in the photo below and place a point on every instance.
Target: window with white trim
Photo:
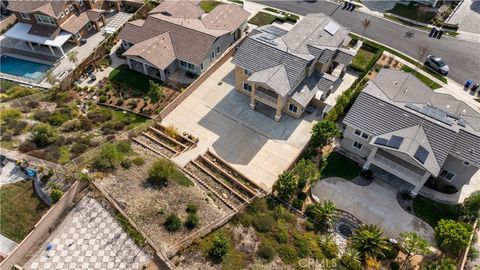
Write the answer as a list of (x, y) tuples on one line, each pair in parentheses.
[(45, 19), (183, 63), (361, 134), (80, 2), (213, 55), (357, 145), (247, 72), (66, 11), (247, 87), (89, 25), (449, 176), (292, 107), (25, 16), (218, 50), (77, 36), (201, 66), (191, 66), (61, 15), (466, 163), (70, 7)]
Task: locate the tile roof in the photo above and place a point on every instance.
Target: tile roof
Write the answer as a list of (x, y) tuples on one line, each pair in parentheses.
[(225, 17), (274, 77), (376, 113), (157, 50), (344, 56), (309, 87), (94, 14), (179, 9), (75, 22), (48, 7)]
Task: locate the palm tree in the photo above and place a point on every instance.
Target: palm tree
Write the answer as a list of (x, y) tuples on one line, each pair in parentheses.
[(72, 57), (365, 24), (369, 241), (325, 215), (351, 259)]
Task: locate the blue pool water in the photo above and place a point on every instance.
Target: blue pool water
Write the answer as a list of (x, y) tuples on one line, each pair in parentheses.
[(23, 68)]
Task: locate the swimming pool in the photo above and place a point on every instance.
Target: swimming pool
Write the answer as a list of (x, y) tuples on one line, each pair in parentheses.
[(23, 68)]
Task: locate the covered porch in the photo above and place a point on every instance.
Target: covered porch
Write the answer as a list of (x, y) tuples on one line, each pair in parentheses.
[(414, 176), (18, 37), (267, 97), (147, 69)]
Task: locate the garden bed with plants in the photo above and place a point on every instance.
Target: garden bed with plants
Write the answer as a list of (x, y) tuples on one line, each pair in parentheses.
[(265, 18), (11, 90), (136, 92), (62, 126), (166, 212)]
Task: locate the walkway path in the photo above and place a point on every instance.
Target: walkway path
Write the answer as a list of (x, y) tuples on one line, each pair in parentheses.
[(372, 204)]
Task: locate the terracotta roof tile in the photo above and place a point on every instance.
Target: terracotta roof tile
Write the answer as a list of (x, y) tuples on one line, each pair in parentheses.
[(157, 50)]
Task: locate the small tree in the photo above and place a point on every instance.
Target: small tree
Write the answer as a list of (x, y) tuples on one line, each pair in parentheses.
[(172, 223), (443, 264), (219, 247), (155, 93), (109, 158), (351, 259), (471, 206), (452, 236), (285, 186), (365, 24), (44, 135), (161, 172), (72, 57), (56, 195), (413, 245), (323, 133), (305, 170), (369, 240), (325, 215)]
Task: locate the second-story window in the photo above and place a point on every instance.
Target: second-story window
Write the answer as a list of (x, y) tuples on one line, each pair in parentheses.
[(25, 16), (45, 19), (80, 2), (247, 72)]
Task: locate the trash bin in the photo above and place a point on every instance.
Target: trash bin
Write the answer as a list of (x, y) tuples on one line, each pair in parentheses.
[(345, 5), (475, 87), (440, 33), (432, 31), (468, 83), (435, 33)]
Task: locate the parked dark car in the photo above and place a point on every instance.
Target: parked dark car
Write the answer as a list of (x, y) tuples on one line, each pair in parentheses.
[(437, 64)]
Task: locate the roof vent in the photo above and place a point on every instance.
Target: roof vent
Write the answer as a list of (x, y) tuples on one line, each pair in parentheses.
[(395, 83)]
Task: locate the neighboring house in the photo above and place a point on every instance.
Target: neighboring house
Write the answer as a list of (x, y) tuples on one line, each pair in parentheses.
[(407, 133), (286, 70), (53, 23), (178, 35)]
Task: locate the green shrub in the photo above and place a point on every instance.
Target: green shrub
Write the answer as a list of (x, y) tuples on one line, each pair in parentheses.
[(263, 223), (302, 246), (108, 158), (287, 253), (452, 236), (173, 223), (56, 195), (219, 248), (131, 231), (57, 118), (394, 265), (281, 235), (124, 146), (258, 206), (164, 171), (191, 208), (245, 219), (138, 161), (298, 203), (102, 99), (328, 246), (192, 221), (44, 135), (126, 163), (266, 251), (309, 226)]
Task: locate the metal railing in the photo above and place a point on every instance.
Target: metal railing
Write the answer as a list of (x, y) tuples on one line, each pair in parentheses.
[(266, 97)]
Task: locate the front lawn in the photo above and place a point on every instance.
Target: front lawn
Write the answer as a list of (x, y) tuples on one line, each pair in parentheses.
[(262, 18), (411, 12), (337, 165), (131, 78), (208, 5), (20, 210), (432, 212), (427, 81), (362, 59)]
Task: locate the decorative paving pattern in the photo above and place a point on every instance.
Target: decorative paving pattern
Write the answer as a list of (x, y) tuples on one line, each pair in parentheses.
[(117, 20), (89, 238)]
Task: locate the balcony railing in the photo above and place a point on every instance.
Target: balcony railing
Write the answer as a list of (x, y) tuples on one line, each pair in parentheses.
[(267, 98), (398, 168)]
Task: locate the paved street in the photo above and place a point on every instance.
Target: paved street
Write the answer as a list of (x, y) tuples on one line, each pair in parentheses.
[(462, 56)]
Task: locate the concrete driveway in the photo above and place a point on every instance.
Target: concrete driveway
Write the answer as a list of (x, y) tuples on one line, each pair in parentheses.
[(373, 204), (251, 142)]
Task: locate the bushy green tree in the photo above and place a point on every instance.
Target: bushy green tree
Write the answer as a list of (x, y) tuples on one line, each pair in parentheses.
[(452, 236), (219, 248), (155, 93), (305, 170), (443, 264), (43, 135), (369, 240), (412, 244), (161, 172), (323, 214), (56, 195), (323, 133), (108, 159), (285, 186), (172, 223), (471, 206)]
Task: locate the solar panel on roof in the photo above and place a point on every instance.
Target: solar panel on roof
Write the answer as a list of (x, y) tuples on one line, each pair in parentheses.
[(381, 141), (395, 142), (421, 154), (332, 28)]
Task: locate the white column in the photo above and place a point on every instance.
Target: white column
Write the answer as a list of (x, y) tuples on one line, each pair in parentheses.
[(425, 177), (366, 166), (252, 96), (129, 64), (31, 46), (144, 69), (61, 49), (50, 47), (278, 109)]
